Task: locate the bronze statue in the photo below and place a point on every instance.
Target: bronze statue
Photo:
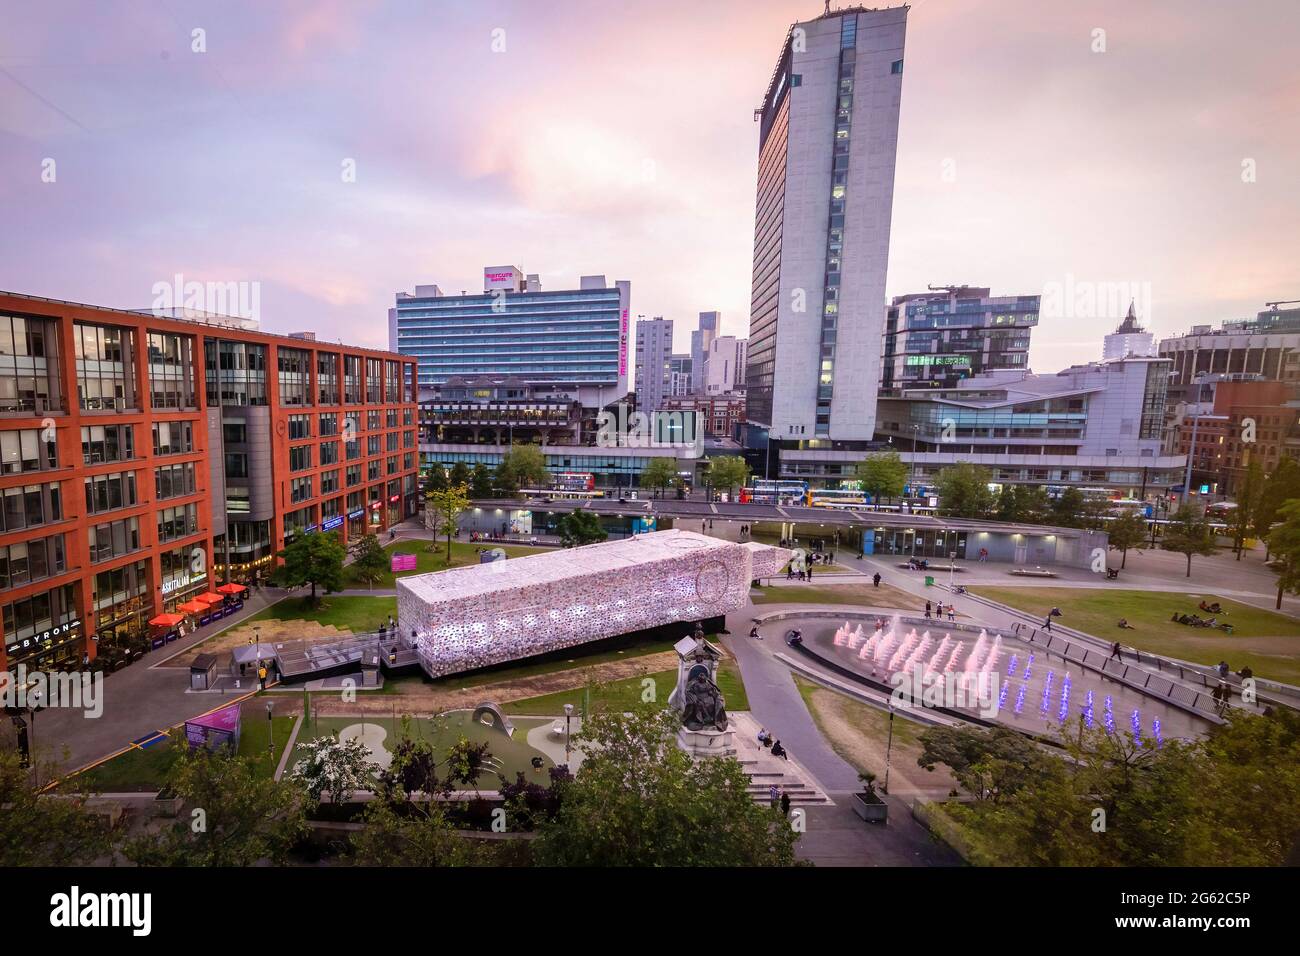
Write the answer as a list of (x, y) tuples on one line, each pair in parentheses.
[(705, 707)]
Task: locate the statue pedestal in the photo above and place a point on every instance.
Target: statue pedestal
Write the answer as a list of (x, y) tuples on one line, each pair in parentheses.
[(707, 743)]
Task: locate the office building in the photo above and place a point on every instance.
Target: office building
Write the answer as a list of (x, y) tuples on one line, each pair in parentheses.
[(1096, 426), (720, 416), (654, 349), (710, 325), (828, 135), (935, 339), (513, 327), (680, 375), (725, 367), (1266, 347), (148, 459)]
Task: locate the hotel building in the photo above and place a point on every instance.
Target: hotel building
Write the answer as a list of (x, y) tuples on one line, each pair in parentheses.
[(147, 459)]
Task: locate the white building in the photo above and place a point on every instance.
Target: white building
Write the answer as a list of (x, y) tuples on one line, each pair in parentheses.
[(725, 366), (701, 339), (828, 137), (654, 349), (1128, 339)]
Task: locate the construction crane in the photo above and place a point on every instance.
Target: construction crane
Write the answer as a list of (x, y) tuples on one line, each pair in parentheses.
[(1273, 305)]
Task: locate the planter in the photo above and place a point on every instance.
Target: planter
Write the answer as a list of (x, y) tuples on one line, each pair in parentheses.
[(876, 811), (166, 804)]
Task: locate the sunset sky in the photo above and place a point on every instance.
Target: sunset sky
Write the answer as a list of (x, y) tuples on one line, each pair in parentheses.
[(617, 137)]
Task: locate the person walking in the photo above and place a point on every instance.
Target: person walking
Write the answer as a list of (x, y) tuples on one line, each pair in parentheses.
[(952, 613), (261, 674), (785, 804), (774, 795), (927, 610), (1047, 624), (810, 567), (1115, 653), (875, 579)]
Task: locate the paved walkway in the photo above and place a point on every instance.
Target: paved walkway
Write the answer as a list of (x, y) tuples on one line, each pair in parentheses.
[(139, 700), (836, 835)]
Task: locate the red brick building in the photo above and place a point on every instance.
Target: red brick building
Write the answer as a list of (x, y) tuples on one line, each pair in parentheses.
[(1250, 421), (146, 460)]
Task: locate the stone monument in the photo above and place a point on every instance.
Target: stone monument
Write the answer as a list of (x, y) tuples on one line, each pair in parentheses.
[(705, 730)]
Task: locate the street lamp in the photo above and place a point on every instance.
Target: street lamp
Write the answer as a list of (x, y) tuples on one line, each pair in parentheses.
[(270, 728), (568, 715), (889, 747)]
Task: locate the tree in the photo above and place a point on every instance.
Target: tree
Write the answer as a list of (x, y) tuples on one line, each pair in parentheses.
[(412, 833), (315, 559), (436, 480), (1230, 797), (481, 482), (442, 508), (1189, 533), (729, 472), (369, 559), (459, 475), (1243, 516), (1284, 541), (37, 830), (1068, 508), (658, 473), (1280, 487), (882, 475), (963, 491), (523, 466), (640, 800), (578, 528), (1127, 531), (335, 767), (239, 815)]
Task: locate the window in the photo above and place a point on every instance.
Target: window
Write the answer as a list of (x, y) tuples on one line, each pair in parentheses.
[(30, 561), (295, 376), (101, 444), (896, 67), (329, 453), (300, 489), (372, 445), (29, 365), (173, 438), (177, 522), (299, 427), (28, 506), (25, 450), (236, 372), (372, 420), (327, 379), (300, 457), (174, 481), (353, 475), (105, 367), (171, 370), (109, 492), (374, 380), (114, 539), (29, 623), (329, 482), (352, 379), (329, 424)]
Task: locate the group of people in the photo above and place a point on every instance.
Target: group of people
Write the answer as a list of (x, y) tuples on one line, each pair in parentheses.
[(1195, 620), (779, 798), (938, 612), (768, 743)]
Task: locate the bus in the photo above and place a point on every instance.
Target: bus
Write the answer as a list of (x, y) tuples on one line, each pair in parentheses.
[(562, 494), (765, 491), (838, 498), (573, 481)]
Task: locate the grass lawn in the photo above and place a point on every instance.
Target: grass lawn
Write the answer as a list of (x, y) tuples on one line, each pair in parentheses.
[(357, 614), (862, 595), (624, 694), (1267, 642), (512, 754), (146, 770), (426, 561)]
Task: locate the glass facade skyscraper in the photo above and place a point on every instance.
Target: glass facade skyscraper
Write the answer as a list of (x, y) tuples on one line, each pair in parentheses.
[(828, 137), (576, 336)]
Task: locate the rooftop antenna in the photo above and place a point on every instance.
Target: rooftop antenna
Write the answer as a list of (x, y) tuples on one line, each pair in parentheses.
[(827, 11)]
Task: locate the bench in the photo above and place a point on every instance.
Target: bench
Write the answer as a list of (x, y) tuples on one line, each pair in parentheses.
[(1033, 572)]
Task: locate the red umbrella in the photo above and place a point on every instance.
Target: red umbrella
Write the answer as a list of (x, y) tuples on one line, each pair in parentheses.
[(211, 597), (167, 620), (232, 589), (194, 607)]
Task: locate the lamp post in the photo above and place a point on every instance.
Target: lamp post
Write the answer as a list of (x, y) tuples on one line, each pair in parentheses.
[(270, 728), (889, 747), (568, 715)]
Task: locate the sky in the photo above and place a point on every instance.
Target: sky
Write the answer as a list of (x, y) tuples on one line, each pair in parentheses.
[(334, 152)]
